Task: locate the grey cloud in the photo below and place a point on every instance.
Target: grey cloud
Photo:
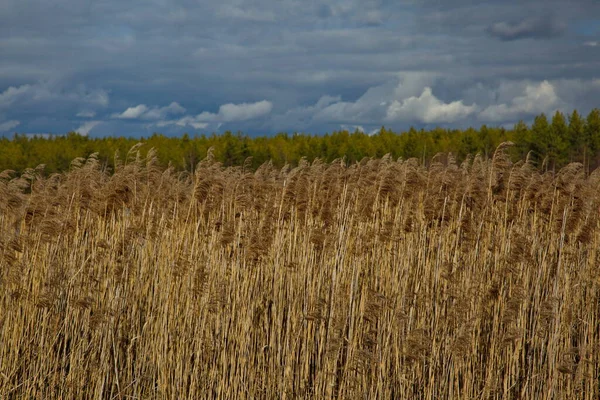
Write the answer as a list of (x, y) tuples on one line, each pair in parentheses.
[(373, 17), (235, 12), (61, 60), (375, 104), (408, 98), (12, 94), (86, 114), (536, 98), (158, 113), (535, 27), (8, 125), (52, 94), (411, 100), (357, 40), (302, 117), (511, 101), (324, 11)]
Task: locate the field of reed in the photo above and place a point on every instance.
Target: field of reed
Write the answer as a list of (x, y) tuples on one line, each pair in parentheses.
[(384, 279)]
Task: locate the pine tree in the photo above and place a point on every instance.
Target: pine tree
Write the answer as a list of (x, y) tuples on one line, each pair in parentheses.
[(521, 136), (575, 136), (540, 137), (558, 146), (592, 137)]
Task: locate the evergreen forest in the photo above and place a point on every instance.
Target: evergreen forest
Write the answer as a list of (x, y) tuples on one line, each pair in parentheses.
[(549, 142)]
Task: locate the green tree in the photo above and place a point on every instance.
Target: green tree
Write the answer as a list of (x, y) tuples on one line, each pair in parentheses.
[(486, 142), (469, 143), (541, 137), (559, 145), (591, 138), (575, 137), (521, 136)]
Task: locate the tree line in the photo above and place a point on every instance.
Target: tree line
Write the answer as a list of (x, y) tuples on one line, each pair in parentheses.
[(549, 142)]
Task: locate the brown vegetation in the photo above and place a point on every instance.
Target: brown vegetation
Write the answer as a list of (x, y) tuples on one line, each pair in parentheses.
[(382, 279)]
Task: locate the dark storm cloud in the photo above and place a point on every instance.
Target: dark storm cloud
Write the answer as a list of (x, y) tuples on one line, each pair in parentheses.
[(262, 66)]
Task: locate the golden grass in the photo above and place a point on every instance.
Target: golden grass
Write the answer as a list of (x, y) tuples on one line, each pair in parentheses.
[(384, 279)]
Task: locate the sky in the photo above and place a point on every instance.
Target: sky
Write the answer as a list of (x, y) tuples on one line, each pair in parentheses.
[(132, 68)]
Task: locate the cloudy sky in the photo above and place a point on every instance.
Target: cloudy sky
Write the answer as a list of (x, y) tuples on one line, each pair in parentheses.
[(136, 67)]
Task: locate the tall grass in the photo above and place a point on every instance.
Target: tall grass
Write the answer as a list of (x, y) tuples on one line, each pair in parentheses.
[(383, 279)]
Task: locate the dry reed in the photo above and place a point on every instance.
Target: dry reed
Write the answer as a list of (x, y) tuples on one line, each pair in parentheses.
[(382, 279)]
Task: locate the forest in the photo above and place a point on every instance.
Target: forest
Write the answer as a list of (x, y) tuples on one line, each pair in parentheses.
[(548, 142)]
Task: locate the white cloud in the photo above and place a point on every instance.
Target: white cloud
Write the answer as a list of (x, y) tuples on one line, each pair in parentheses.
[(8, 125), (158, 113), (428, 108), (372, 106), (237, 112), (407, 99), (592, 43), (227, 113), (86, 127), (535, 99), (142, 111), (132, 112), (185, 121), (411, 99)]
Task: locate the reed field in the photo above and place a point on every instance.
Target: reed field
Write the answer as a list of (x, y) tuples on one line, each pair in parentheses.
[(383, 279)]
